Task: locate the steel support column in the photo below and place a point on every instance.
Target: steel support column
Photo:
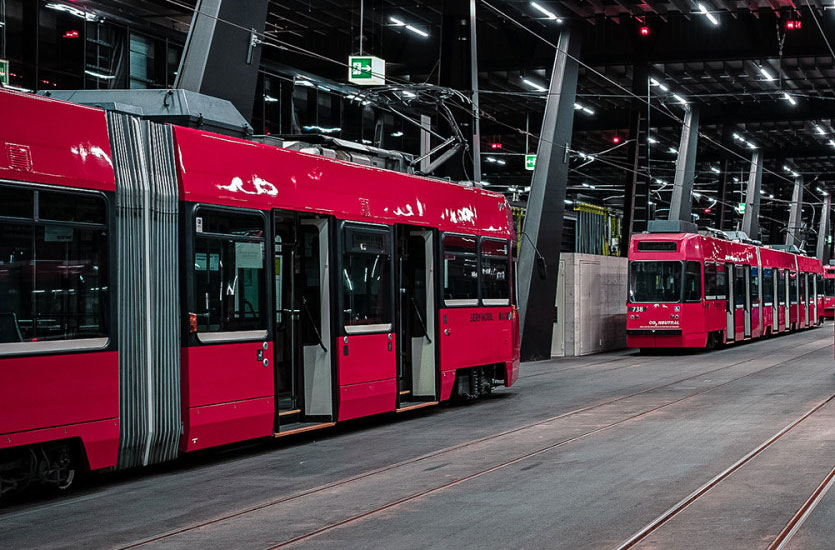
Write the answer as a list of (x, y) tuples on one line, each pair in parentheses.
[(751, 217), (539, 254), (723, 194), (474, 80), (681, 204), (795, 214), (821, 249)]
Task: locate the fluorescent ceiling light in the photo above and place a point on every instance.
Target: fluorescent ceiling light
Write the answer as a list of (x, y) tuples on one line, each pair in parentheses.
[(320, 129), (789, 98), (832, 142), (397, 134), (534, 85), (270, 99), (407, 93), (819, 130), (652, 140), (547, 13), (680, 99), (672, 150), (715, 169), (588, 111), (577, 106), (750, 145), (707, 14), (767, 75), (400, 23), (100, 76)]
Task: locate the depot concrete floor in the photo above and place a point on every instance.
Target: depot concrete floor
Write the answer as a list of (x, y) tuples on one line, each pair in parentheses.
[(580, 453)]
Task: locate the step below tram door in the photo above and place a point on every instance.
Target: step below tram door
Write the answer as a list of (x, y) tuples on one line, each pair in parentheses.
[(302, 313), (417, 370)]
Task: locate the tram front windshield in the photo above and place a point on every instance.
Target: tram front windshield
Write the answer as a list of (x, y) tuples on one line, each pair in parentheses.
[(829, 287), (654, 282)]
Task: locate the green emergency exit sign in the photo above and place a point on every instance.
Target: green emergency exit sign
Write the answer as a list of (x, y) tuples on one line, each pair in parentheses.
[(530, 162), (366, 70), (741, 208), (4, 71)]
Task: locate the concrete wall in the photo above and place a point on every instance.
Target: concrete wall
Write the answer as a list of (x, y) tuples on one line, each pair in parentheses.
[(591, 305)]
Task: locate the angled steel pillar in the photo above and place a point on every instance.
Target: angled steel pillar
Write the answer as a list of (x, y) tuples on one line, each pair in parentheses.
[(539, 254), (474, 80), (681, 204), (795, 214), (821, 250), (751, 218), (723, 194), (222, 54)]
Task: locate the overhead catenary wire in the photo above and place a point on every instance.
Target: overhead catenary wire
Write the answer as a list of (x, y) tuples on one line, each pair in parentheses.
[(268, 39)]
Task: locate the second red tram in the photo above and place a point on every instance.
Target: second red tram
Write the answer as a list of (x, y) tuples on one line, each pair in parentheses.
[(829, 291), (165, 290), (689, 290)]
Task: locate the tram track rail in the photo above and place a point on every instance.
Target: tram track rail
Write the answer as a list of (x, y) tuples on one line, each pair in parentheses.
[(642, 534), (484, 471), (785, 536)]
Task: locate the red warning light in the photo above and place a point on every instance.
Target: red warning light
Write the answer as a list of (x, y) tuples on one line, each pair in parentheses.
[(495, 146), (71, 34), (707, 210), (793, 24), (644, 31), (616, 139)]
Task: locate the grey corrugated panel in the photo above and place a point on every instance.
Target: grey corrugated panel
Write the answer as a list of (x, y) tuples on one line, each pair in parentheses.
[(165, 292), (148, 294)]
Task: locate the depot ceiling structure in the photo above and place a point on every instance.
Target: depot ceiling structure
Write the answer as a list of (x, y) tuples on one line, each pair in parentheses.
[(745, 64)]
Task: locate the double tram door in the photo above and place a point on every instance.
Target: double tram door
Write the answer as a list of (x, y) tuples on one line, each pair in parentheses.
[(775, 301), (747, 306), (417, 369), (730, 331), (301, 299)]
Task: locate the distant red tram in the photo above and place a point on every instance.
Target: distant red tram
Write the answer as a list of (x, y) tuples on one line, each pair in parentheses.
[(829, 291), (690, 290), (166, 290)]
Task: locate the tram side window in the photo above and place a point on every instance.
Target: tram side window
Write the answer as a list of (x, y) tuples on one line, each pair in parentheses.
[(460, 270), (53, 266), (710, 281), (768, 286), (793, 287), (755, 286), (781, 286), (692, 281), (495, 272), (721, 282), (739, 285), (366, 277), (829, 287), (229, 285)]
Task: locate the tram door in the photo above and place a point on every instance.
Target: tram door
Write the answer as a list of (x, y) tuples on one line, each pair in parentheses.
[(747, 306), (775, 301), (416, 327), (788, 299), (303, 370), (730, 332), (804, 292)]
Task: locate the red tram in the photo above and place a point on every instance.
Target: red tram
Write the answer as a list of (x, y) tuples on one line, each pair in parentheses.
[(166, 290), (829, 291), (690, 290)]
